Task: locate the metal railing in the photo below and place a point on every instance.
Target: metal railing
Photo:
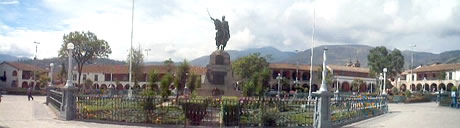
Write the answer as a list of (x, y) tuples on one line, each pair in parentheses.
[(349, 109), (242, 112), (56, 99)]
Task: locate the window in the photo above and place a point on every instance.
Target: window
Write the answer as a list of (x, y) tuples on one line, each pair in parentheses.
[(96, 78), (84, 77), (450, 75), (15, 73), (74, 77), (14, 83)]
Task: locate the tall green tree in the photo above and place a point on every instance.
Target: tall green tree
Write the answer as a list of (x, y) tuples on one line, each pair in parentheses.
[(153, 77), (379, 58), (246, 67), (165, 83), (137, 65), (356, 84), (254, 72), (169, 65), (181, 74), (87, 47), (192, 82)]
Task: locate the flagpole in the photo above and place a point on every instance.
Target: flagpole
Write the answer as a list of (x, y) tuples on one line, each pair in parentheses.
[(311, 57), (130, 91)]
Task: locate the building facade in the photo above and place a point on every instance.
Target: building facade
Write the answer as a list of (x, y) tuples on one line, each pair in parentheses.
[(431, 78), (19, 75)]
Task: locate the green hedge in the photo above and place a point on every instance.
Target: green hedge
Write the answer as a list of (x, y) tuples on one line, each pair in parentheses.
[(195, 111), (231, 114)]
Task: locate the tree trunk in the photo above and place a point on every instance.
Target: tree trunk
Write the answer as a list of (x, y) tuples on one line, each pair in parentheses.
[(80, 67)]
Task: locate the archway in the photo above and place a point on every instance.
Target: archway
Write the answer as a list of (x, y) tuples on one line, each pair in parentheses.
[(433, 87), (144, 86), (419, 87), (103, 86), (120, 87), (306, 88), (345, 87), (442, 86), (412, 87), (403, 87), (305, 76), (136, 86), (314, 88), (334, 85), (449, 86), (363, 87), (127, 86), (275, 74), (286, 75), (426, 87), (25, 85)]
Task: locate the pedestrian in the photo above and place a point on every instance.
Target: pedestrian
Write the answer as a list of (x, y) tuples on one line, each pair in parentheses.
[(29, 93)]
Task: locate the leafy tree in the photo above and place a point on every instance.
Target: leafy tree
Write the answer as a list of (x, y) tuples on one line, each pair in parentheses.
[(191, 82), (379, 58), (42, 78), (153, 77), (169, 64), (181, 75), (165, 83), (246, 67), (356, 84), (198, 81), (249, 89), (395, 91), (87, 47), (88, 82), (137, 65)]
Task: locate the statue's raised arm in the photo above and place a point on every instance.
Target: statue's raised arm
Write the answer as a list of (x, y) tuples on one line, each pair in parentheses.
[(210, 15)]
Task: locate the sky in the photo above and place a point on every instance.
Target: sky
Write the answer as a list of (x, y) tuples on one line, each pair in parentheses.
[(182, 29)]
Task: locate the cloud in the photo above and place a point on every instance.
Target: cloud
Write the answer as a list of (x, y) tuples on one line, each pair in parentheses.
[(12, 2), (181, 29)]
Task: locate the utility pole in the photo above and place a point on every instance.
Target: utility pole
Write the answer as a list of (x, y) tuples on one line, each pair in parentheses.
[(147, 50), (311, 57), (36, 49)]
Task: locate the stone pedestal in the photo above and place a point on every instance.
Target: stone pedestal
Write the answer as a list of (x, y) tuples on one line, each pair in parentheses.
[(219, 76), (322, 118), (69, 112)]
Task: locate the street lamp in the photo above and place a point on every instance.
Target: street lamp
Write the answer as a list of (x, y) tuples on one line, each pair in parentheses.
[(70, 48), (279, 82), (297, 70), (384, 81), (147, 50), (337, 89), (36, 49), (412, 63), (424, 83), (51, 72), (380, 82)]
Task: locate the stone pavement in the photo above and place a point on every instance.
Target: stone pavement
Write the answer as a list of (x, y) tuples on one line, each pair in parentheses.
[(17, 112), (417, 115)]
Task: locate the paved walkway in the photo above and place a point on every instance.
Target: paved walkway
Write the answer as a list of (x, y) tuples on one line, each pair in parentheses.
[(17, 112), (418, 115)]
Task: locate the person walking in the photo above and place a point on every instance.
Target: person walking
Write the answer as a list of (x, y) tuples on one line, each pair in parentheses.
[(29, 94)]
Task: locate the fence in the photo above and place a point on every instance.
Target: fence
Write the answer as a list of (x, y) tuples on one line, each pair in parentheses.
[(250, 112), (55, 98), (350, 109)]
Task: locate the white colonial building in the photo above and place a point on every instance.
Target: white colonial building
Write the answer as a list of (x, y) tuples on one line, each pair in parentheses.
[(105, 76), (430, 78), (18, 75)]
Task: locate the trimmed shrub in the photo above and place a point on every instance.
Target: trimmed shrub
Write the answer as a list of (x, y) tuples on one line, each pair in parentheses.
[(408, 93)]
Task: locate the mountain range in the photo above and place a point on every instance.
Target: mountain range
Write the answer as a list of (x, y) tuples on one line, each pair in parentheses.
[(336, 54)]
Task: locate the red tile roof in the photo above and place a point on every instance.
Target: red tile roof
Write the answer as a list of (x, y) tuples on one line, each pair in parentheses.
[(438, 67), (124, 69), (349, 69), (292, 67), (25, 67)]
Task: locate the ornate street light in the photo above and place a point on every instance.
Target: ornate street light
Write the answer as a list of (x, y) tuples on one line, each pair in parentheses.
[(70, 48), (380, 82), (384, 81), (279, 82), (51, 74)]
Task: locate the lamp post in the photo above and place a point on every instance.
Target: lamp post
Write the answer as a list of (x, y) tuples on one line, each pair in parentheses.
[(279, 82), (51, 74), (412, 63), (70, 47), (337, 88), (36, 49), (147, 51), (297, 71), (380, 82), (384, 81), (424, 83)]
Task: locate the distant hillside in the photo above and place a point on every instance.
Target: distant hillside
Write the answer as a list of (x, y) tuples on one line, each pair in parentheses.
[(4, 57), (338, 55), (276, 55)]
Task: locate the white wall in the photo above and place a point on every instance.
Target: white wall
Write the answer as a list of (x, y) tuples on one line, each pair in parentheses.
[(9, 75)]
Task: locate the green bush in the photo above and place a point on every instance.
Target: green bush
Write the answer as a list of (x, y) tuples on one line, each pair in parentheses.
[(269, 118), (195, 111), (231, 114), (408, 93)]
